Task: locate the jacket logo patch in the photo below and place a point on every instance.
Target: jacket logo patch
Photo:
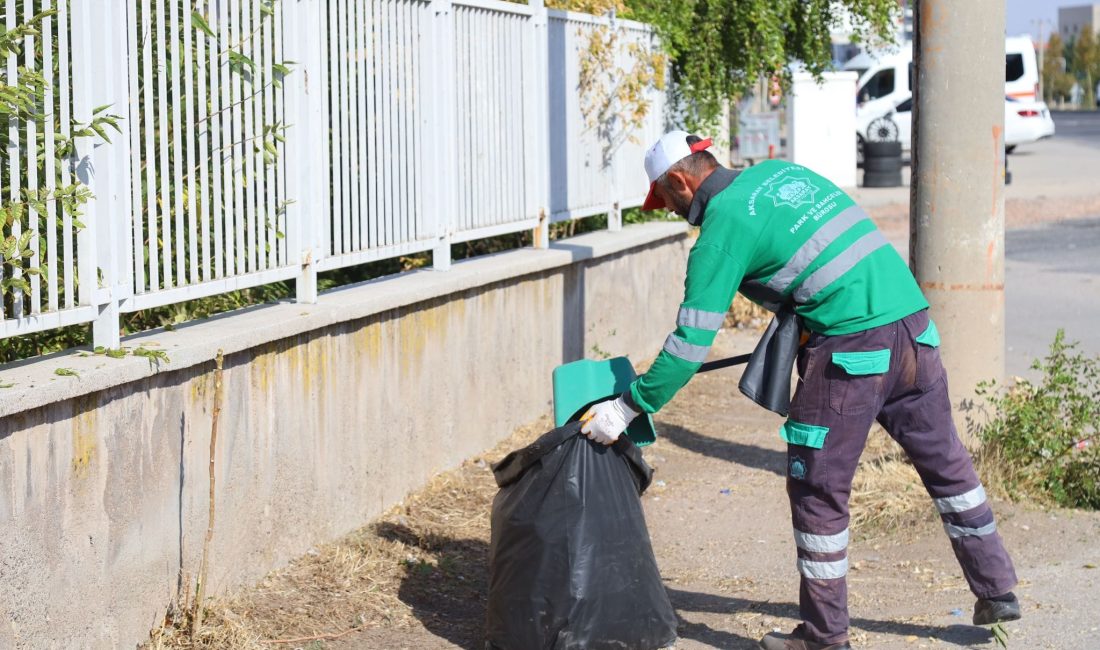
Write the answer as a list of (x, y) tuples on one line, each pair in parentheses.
[(792, 191)]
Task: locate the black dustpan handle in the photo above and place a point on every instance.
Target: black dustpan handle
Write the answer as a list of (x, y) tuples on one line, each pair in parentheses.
[(718, 364)]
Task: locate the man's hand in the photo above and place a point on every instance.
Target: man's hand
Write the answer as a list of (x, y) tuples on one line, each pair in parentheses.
[(604, 422)]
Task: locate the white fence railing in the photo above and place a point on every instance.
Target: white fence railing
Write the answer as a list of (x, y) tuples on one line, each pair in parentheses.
[(267, 140), (586, 170)]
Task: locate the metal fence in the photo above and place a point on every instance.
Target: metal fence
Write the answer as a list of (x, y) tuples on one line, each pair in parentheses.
[(268, 140)]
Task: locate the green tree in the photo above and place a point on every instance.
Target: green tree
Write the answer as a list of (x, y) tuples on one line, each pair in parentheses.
[(1057, 82), (1086, 63), (1053, 66), (719, 49)]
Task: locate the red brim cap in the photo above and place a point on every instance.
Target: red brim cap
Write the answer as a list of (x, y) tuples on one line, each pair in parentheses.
[(652, 201)]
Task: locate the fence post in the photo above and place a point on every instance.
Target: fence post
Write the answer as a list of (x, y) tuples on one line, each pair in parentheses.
[(439, 126), (615, 214), (100, 79), (536, 96), (304, 93)]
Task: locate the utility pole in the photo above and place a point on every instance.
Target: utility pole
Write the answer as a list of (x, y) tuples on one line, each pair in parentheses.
[(956, 222), (1042, 49)]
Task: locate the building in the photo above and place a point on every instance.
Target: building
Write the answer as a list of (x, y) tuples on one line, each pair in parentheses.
[(1073, 20)]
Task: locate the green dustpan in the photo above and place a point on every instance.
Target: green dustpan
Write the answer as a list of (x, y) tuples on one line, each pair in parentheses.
[(581, 384)]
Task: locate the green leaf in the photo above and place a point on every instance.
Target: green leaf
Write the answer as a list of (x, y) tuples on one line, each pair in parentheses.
[(200, 23), (3, 385), (116, 354), (100, 132), (241, 60), (66, 372)]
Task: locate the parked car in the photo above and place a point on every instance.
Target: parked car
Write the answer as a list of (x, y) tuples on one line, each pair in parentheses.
[(1025, 121)]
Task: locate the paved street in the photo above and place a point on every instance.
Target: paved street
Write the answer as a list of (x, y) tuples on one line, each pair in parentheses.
[(1083, 126), (1053, 270), (1053, 281)]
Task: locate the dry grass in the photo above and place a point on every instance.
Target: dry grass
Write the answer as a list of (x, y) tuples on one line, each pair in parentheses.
[(746, 314), (425, 561), (887, 494), (429, 551)]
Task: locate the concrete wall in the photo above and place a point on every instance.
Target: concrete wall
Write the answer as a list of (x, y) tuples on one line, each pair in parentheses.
[(333, 412)]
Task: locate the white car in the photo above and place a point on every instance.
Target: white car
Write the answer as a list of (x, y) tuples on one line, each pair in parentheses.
[(1025, 121)]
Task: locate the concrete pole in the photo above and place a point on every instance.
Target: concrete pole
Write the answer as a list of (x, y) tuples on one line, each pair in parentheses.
[(1042, 47), (957, 195)]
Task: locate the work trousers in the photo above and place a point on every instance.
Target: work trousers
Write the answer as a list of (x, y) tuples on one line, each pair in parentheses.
[(845, 384)]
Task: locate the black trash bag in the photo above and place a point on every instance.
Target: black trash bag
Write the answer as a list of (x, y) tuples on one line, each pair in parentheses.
[(570, 564)]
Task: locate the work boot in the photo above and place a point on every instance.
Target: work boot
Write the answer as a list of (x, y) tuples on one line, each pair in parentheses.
[(988, 611), (796, 641)]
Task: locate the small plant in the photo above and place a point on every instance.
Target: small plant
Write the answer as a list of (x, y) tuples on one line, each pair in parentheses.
[(65, 372), (1041, 439), (154, 356)]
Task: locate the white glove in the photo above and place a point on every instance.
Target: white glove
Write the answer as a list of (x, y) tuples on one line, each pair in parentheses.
[(604, 422)]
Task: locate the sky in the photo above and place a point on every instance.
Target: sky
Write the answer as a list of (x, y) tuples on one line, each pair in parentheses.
[(1020, 13)]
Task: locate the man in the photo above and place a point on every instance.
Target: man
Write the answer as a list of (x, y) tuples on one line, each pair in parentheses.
[(779, 230)]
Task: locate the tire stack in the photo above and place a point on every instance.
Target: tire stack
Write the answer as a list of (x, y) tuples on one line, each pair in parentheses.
[(881, 164)]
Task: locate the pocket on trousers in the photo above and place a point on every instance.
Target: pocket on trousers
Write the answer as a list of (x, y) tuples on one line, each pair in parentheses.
[(855, 380), (929, 365), (800, 433)]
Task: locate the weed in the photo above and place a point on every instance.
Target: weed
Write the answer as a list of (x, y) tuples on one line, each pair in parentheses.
[(154, 356), (1041, 438), (66, 372)]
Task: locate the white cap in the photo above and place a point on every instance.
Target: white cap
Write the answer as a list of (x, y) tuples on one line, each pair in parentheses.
[(669, 150)]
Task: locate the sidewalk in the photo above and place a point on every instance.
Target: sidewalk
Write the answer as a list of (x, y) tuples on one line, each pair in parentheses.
[(1052, 180)]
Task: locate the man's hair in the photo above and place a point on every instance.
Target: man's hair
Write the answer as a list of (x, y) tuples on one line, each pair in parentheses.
[(697, 164)]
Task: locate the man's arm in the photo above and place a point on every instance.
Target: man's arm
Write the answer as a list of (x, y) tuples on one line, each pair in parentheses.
[(712, 280)]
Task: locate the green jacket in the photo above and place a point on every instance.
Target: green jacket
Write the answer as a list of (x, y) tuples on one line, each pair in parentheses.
[(781, 234)]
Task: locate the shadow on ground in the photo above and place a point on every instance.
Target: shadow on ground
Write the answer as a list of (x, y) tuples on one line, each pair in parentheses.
[(768, 460), (689, 601), (449, 599)]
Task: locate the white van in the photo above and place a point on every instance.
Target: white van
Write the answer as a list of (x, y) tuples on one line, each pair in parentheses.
[(1021, 69), (886, 76)]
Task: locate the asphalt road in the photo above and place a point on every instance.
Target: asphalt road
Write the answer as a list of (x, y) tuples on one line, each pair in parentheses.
[(1052, 282), (1080, 126)]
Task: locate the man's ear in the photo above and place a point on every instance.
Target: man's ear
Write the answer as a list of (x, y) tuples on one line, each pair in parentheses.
[(677, 181)]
